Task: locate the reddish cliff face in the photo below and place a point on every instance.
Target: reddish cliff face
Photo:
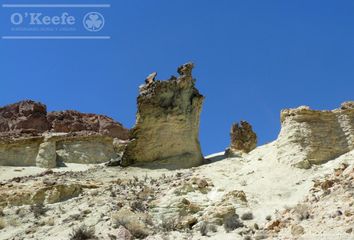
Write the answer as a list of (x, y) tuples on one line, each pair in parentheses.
[(24, 117), (74, 121), (30, 117)]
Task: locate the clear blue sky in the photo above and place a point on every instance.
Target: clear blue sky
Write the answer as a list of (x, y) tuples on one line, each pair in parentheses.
[(252, 59)]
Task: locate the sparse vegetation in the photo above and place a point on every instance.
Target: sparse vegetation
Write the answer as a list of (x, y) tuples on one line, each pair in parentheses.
[(138, 206), (213, 228), (232, 222), (83, 233), (2, 224), (138, 229), (302, 212), (38, 210), (168, 225), (203, 229), (247, 216)]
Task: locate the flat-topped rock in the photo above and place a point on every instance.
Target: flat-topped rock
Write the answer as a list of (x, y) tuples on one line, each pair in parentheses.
[(313, 137)]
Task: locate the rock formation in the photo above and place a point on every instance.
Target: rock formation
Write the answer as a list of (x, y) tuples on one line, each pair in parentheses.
[(74, 121), (29, 136), (24, 117), (167, 124), (243, 139), (314, 137), (32, 118)]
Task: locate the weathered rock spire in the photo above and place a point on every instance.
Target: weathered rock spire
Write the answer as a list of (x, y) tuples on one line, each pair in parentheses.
[(167, 123)]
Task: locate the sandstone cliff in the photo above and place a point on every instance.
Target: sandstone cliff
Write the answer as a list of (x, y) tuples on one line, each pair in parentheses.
[(313, 137), (167, 124), (29, 136)]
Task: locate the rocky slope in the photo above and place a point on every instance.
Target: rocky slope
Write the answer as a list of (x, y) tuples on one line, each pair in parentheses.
[(248, 197)]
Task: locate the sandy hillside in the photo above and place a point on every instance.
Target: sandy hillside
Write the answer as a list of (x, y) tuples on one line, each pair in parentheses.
[(253, 196)]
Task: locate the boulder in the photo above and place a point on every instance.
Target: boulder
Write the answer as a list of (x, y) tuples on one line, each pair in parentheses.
[(167, 124), (135, 223), (124, 234)]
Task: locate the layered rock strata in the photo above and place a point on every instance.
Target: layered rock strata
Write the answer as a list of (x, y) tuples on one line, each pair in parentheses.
[(310, 137), (30, 117), (167, 124), (32, 137), (243, 139), (55, 150)]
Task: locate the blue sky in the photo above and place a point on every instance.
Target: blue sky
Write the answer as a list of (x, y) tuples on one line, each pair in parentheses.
[(253, 58)]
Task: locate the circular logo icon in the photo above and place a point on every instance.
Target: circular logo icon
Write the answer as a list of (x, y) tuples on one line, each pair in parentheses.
[(93, 21)]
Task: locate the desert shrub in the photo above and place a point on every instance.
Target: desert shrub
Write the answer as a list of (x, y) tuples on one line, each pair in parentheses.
[(169, 225), (302, 212), (138, 206), (213, 228), (82, 233), (38, 210), (232, 222), (2, 224), (203, 229), (247, 216), (132, 224)]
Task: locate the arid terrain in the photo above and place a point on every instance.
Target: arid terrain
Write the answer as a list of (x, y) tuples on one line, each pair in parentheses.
[(71, 175), (250, 197)]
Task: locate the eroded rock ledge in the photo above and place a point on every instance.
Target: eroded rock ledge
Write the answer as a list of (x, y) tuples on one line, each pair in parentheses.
[(313, 137), (29, 136), (167, 125), (30, 117)]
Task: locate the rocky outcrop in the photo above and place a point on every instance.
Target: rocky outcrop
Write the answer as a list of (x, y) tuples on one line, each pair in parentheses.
[(19, 151), (167, 125), (29, 136), (314, 137), (243, 139), (52, 150), (24, 117), (30, 117), (38, 194), (85, 149), (74, 121)]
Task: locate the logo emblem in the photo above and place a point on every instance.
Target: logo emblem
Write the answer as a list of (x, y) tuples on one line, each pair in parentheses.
[(93, 21)]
